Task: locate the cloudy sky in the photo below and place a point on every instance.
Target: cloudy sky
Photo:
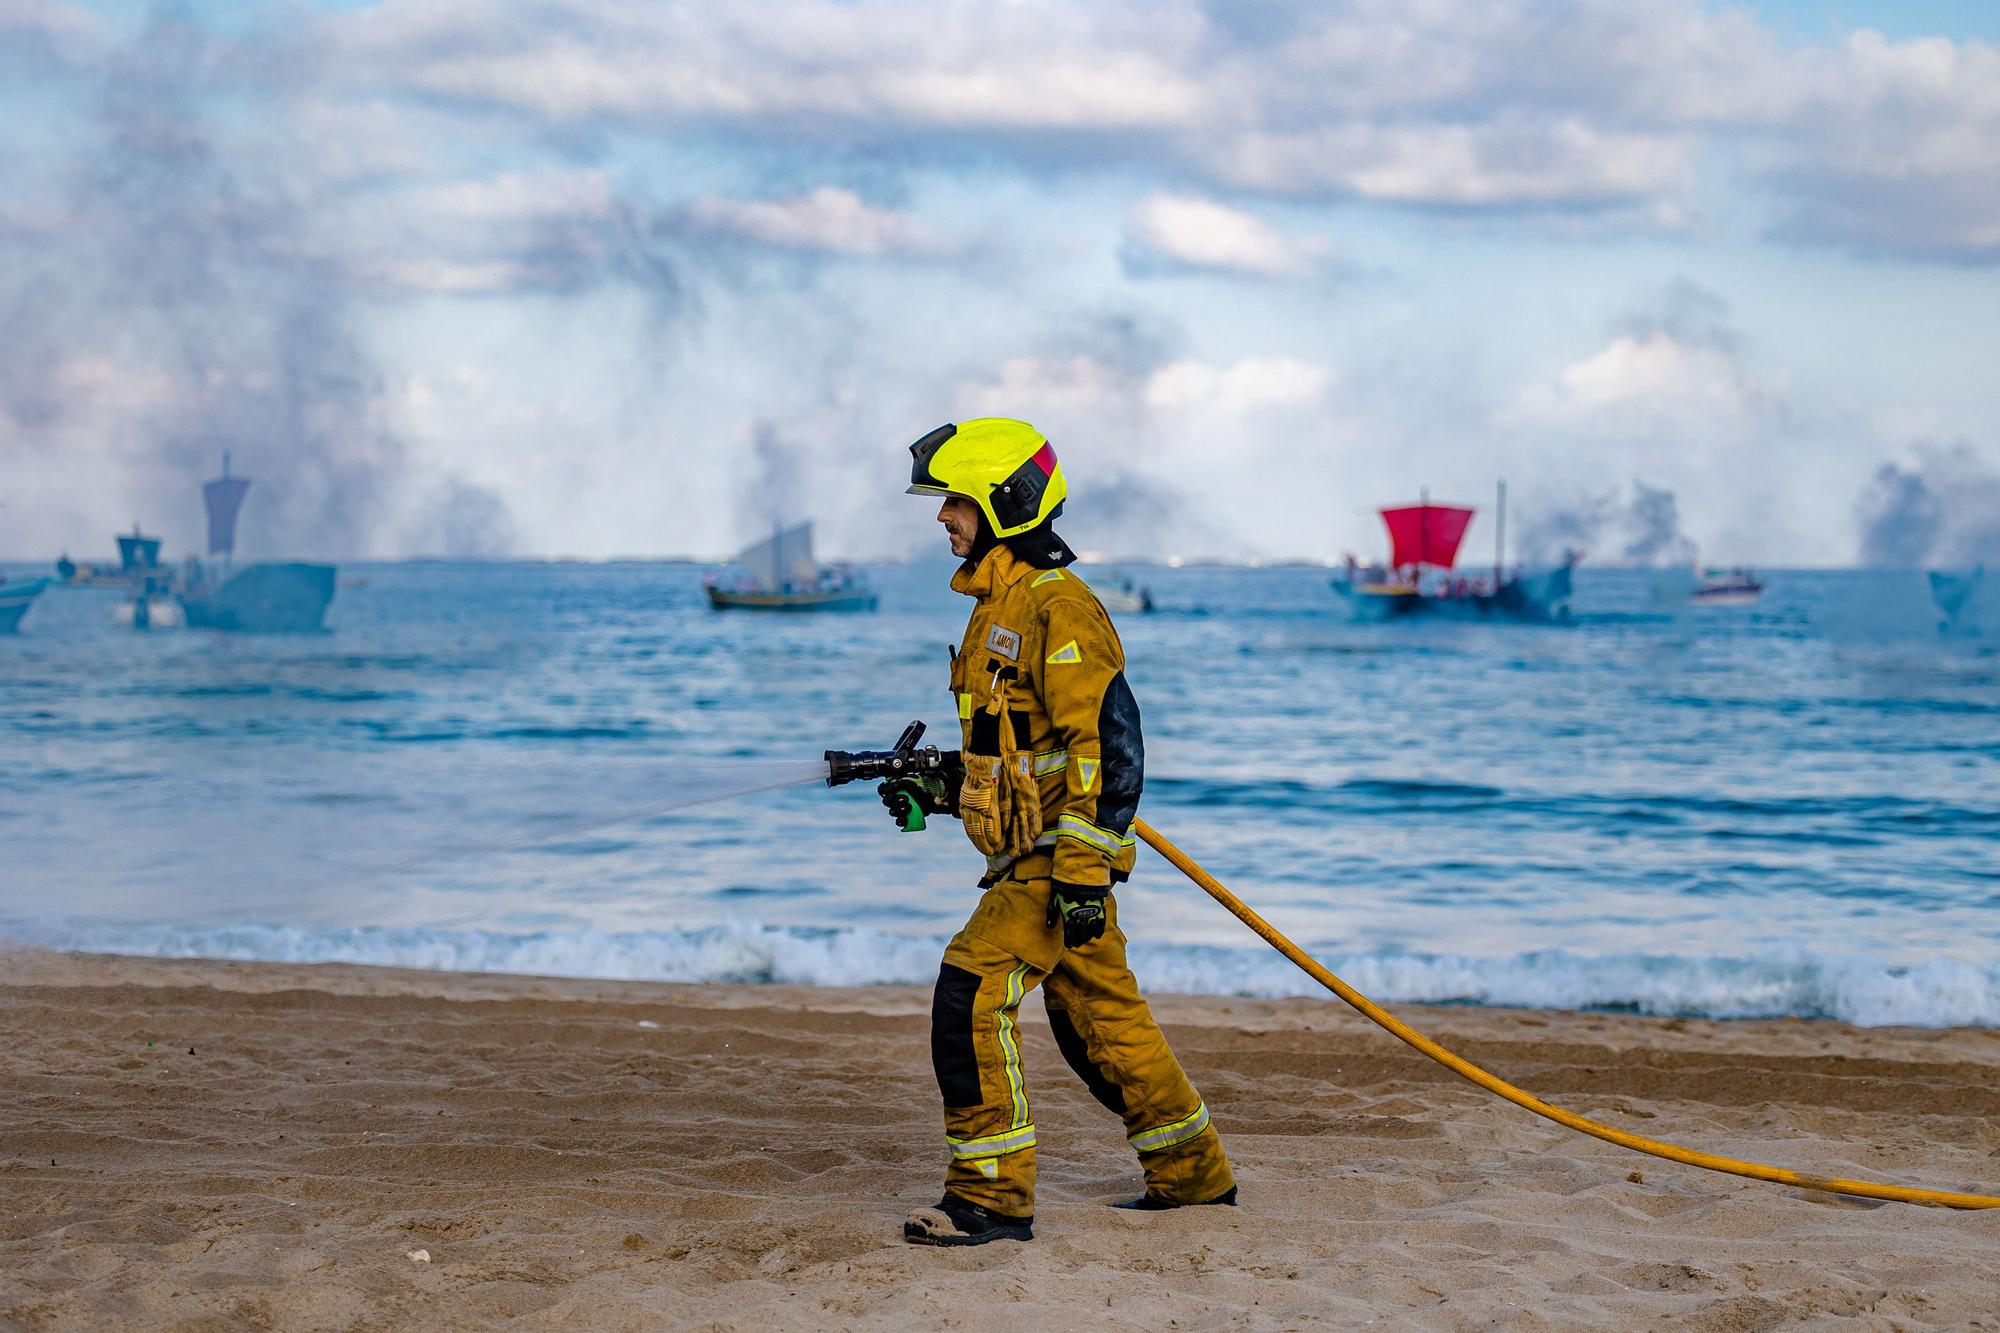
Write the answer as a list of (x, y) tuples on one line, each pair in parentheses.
[(592, 278)]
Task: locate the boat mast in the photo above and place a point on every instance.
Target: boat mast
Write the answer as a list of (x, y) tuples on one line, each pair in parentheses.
[(1500, 537), (229, 549)]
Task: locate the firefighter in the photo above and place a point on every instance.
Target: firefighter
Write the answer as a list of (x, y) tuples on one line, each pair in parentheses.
[(1047, 787)]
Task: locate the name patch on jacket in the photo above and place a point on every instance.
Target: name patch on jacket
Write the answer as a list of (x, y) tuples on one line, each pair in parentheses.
[(1005, 642)]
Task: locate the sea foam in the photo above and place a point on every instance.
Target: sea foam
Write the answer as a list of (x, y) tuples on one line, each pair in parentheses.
[(1851, 988)]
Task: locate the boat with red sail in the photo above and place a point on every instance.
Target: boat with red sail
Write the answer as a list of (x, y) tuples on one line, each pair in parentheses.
[(266, 597), (1423, 576)]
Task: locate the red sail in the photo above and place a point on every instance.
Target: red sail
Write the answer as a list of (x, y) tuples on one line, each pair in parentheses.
[(224, 497), (1426, 534)]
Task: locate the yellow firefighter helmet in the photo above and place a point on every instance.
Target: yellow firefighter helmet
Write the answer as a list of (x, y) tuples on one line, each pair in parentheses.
[(1004, 466)]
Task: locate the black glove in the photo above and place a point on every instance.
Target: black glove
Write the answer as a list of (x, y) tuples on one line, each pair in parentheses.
[(910, 799), (1080, 908)]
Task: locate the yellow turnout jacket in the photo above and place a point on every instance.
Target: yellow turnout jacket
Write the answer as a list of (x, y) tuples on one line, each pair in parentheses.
[(1041, 647)]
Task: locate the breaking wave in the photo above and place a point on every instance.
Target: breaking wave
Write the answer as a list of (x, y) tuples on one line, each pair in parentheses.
[(1853, 989)]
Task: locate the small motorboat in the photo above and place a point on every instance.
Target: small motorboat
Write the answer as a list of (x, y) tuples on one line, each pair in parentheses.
[(1123, 596), (1732, 587)]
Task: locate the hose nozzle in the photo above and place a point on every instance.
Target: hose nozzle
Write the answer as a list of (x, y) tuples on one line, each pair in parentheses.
[(905, 761)]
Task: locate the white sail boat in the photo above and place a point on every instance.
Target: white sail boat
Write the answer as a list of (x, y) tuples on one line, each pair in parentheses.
[(780, 574)]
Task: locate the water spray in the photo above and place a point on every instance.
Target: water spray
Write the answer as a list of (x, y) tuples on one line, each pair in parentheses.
[(701, 783)]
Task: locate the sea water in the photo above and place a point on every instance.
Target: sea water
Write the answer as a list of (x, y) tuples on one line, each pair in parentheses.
[(1787, 809)]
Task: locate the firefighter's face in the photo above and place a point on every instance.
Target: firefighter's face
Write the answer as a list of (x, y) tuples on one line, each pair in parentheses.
[(961, 523)]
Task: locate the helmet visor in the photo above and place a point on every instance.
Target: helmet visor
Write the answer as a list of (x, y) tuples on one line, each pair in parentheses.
[(922, 480)]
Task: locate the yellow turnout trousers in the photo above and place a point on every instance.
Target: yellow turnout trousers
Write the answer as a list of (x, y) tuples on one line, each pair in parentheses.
[(1106, 1033)]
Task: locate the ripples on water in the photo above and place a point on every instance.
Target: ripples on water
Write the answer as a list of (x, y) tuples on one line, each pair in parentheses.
[(1794, 808)]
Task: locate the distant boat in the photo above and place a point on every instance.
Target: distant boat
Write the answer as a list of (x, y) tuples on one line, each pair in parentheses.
[(138, 564), (1422, 577), (16, 596), (780, 574), (266, 598), (1124, 597), (288, 597), (1733, 587)]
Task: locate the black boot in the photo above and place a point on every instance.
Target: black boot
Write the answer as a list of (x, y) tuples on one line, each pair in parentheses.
[(1153, 1203), (955, 1222)]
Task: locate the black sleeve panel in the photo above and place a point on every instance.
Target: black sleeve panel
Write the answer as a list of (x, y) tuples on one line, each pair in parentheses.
[(1124, 757)]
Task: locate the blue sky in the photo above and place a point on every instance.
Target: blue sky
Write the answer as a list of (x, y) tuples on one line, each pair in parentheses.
[(581, 277)]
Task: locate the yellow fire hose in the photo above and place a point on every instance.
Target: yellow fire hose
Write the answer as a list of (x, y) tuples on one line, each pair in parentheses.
[(1501, 1088)]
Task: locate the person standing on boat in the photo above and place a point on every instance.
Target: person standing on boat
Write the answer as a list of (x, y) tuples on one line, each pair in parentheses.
[(1047, 788)]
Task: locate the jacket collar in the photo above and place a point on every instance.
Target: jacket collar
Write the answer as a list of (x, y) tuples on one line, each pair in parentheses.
[(999, 568)]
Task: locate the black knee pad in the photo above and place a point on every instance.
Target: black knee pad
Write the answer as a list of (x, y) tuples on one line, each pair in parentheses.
[(952, 1054)]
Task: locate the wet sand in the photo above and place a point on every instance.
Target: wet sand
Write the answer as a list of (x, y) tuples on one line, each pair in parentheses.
[(193, 1144)]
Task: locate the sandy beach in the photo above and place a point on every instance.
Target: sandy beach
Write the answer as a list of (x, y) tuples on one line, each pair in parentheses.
[(192, 1144)]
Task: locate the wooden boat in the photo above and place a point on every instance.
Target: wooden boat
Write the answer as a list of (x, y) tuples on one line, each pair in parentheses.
[(824, 599), (268, 597), (780, 574), (1422, 577)]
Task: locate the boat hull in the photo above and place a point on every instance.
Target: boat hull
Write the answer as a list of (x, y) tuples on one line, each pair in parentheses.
[(15, 599), (1740, 596), (1542, 599), (287, 598), (846, 599)]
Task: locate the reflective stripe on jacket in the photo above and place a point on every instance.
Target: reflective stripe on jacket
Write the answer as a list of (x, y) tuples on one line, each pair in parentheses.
[(1042, 636)]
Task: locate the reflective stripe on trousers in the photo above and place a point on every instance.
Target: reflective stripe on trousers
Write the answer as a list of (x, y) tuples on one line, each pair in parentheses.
[(1166, 1136), (993, 1145), (1010, 1049)]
